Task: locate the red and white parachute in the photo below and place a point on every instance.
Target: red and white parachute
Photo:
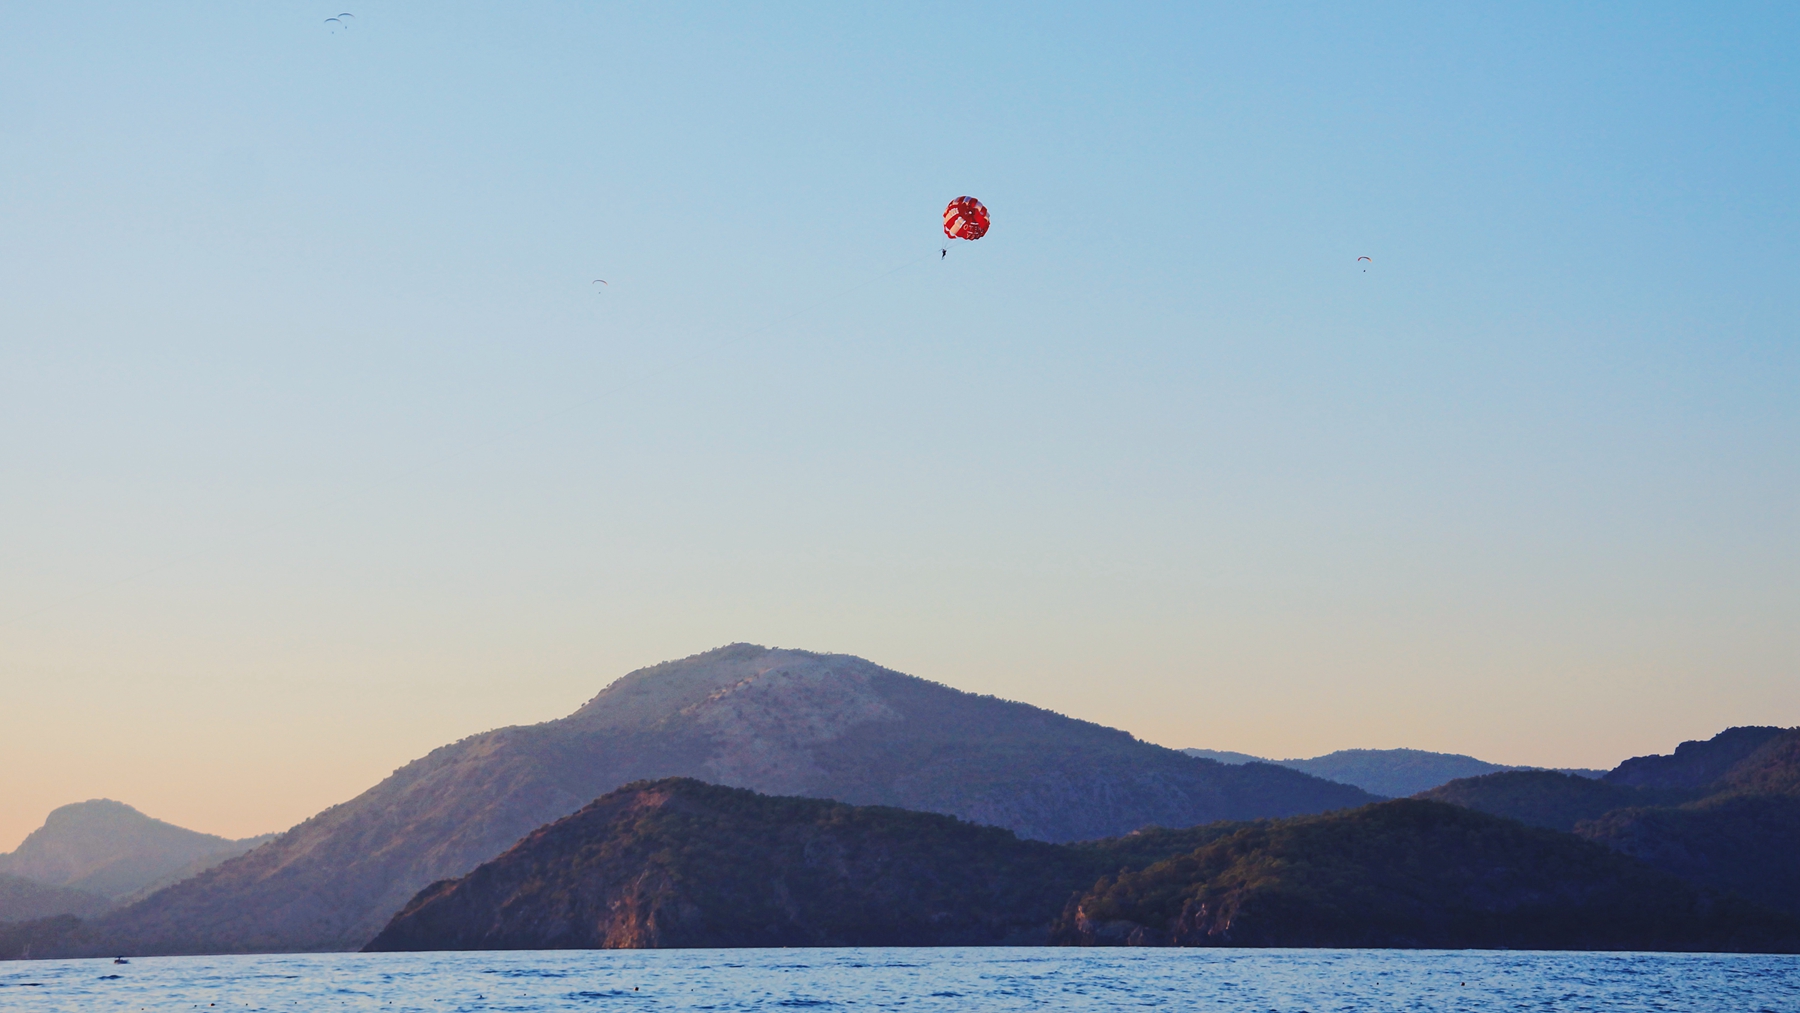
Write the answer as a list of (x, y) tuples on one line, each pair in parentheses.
[(965, 218)]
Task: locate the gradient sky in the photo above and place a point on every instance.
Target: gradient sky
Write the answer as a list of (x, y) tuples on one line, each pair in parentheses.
[(321, 451)]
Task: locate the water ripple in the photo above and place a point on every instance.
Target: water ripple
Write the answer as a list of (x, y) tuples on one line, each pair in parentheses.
[(913, 981)]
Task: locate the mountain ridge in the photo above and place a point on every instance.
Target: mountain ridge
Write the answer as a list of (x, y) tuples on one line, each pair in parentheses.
[(1411, 873), (780, 721), (1391, 773), (680, 863), (1721, 813), (23, 900), (108, 848)]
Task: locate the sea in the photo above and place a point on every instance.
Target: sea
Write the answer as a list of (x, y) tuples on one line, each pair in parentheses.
[(1275, 981)]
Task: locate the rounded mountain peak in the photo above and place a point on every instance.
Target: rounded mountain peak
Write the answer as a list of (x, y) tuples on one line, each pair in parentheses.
[(651, 695)]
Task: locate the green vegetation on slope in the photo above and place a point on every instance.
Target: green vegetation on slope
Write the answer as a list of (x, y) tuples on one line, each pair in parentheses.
[(1723, 814), (1544, 798), (1747, 844), (779, 721), (681, 863), (1743, 836), (1411, 873), (1694, 764)]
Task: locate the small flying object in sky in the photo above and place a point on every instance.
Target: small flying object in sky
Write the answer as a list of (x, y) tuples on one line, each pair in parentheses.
[(1362, 260), (341, 22), (964, 218), (598, 281)]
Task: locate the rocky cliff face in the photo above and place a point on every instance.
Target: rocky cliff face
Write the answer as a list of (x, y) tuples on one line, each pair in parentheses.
[(793, 722)]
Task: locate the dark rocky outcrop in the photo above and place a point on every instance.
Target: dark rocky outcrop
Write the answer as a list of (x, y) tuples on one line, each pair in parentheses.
[(784, 722)]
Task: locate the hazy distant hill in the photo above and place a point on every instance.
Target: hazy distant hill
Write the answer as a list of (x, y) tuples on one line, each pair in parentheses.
[(1227, 756), (1391, 773), (1722, 813), (787, 722), (678, 863), (108, 848), (24, 899)]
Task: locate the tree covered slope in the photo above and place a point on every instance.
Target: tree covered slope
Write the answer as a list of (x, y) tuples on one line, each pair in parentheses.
[(778, 721), (679, 863)]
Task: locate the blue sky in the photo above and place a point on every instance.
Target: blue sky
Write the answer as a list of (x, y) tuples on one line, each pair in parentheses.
[(301, 323)]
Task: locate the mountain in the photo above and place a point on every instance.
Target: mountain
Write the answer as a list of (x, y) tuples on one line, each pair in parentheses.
[(1412, 873), (24, 899), (58, 935), (108, 848), (679, 863), (1227, 756), (1773, 768), (1723, 814), (1544, 798), (1391, 773), (777, 721), (1742, 835), (1745, 844), (1694, 764)]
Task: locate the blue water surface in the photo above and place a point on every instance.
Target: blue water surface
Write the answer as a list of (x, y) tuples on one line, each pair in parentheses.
[(1275, 981)]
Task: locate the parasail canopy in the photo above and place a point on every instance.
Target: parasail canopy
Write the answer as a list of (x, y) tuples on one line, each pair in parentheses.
[(965, 218)]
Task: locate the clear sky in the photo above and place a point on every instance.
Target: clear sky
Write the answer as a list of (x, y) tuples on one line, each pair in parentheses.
[(302, 323)]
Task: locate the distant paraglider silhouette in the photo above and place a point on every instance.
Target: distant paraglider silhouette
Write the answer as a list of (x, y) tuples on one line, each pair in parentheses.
[(340, 23), (1361, 260), (598, 281)]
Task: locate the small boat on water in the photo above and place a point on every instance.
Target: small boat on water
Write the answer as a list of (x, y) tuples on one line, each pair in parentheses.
[(120, 960)]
